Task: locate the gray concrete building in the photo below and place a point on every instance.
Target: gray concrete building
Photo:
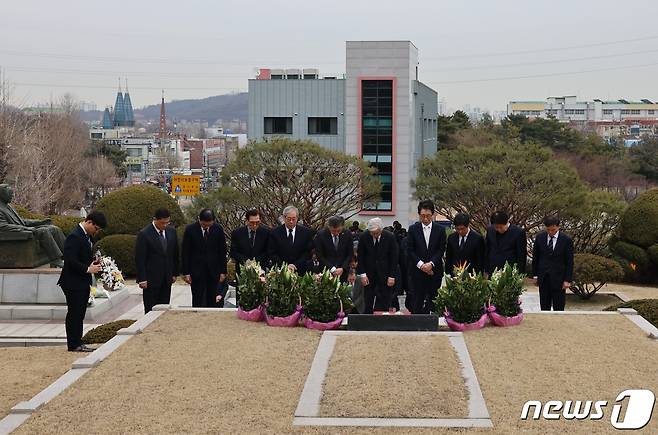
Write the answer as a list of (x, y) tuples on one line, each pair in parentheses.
[(378, 110)]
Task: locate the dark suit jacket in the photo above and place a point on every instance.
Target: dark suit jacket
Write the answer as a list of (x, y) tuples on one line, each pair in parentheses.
[(417, 250), (241, 249), (299, 254), (511, 247), (154, 265), (378, 264), (329, 256), (77, 258), (201, 255), (472, 252), (557, 263)]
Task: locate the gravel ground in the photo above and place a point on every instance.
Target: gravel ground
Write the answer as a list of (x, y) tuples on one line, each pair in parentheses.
[(28, 370), (210, 373), (413, 377)]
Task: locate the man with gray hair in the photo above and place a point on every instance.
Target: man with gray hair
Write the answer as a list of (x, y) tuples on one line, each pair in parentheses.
[(377, 266), (334, 248), (51, 238), (291, 243)]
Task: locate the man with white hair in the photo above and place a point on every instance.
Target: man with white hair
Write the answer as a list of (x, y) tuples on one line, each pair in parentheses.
[(377, 258), (291, 243)]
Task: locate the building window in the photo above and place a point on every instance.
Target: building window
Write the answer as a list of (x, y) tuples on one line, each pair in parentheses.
[(278, 125), (377, 135), (323, 125), (650, 112), (97, 135), (625, 112), (635, 112), (607, 111)]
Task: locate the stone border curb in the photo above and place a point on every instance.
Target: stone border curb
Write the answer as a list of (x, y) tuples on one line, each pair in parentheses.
[(49, 393), (640, 322), (391, 422), (308, 406), (23, 410), (30, 342)]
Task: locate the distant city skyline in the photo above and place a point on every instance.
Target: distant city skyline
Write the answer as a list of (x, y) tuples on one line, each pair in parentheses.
[(476, 53)]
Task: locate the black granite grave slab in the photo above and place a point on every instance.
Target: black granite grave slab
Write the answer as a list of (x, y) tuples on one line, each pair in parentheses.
[(378, 322)]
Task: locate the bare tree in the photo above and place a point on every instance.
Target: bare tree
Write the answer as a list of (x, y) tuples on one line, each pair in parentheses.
[(100, 177)]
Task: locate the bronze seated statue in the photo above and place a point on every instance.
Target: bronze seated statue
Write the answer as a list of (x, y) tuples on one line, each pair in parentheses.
[(27, 243)]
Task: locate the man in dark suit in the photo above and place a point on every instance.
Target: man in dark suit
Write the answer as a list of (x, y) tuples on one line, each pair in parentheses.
[(76, 277), (505, 243), (465, 245), (291, 243), (334, 248), (552, 265), (426, 244), (377, 266), (156, 258), (204, 260), (250, 242)]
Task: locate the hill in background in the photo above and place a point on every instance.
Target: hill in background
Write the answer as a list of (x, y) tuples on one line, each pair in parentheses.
[(227, 107)]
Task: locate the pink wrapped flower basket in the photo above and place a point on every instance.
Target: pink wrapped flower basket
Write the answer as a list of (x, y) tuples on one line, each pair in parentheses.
[(456, 326), (288, 321), (255, 315)]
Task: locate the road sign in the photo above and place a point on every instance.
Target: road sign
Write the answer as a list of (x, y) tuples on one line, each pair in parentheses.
[(185, 185)]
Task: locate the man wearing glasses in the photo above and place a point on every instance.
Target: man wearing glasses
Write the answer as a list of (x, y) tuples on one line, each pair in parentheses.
[(75, 279), (156, 258)]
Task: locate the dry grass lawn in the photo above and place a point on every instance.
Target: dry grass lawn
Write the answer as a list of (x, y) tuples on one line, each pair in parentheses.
[(598, 302), (412, 377), (28, 370), (211, 373)]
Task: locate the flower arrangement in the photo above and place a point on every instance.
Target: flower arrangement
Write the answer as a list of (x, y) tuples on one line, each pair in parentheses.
[(506, 287), (252, 286), (324, 298), (110, 275), (463, 297), (282, 292)]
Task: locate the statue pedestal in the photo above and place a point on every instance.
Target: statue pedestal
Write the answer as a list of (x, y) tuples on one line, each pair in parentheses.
[(33, 294), (21, 250)]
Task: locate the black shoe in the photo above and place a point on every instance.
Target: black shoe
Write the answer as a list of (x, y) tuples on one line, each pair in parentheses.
[(82, 348)]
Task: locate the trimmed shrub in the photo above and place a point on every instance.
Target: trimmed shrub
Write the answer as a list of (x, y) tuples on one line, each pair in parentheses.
[(632, 253), (27, 214), (591, 272), (130, 209), (121, 247), (653, 254), (66, 223), (104, 333), (647, 308), (639, 224)]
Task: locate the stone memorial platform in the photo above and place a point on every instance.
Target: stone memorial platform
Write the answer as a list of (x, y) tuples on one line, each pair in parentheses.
[(33, 294)]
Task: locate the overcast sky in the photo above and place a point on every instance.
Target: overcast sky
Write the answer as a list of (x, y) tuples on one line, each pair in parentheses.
[(480, 53)]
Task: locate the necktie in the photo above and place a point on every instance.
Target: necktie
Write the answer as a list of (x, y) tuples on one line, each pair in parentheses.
[(461, 242), (335, 242), (551, 244), (376, 242), (252, 235), (163, 241), (290, 239), (205, 234)]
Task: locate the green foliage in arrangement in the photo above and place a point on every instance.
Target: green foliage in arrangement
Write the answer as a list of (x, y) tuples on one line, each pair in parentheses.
[(282, 291), (251, 286), (323, 296), (463, 296), (506, 287)]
